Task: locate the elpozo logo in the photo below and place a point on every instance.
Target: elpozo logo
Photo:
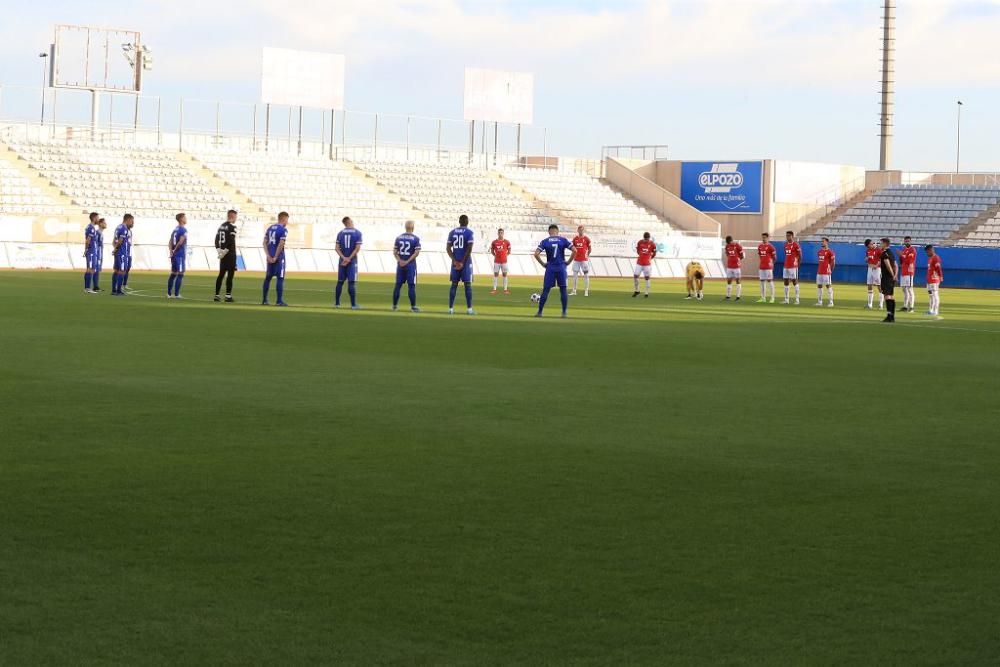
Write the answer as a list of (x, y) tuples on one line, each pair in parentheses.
[(722, 178)]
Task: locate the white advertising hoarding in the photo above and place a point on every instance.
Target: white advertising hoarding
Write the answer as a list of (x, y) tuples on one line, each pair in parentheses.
[(302, 79), (502, 97)]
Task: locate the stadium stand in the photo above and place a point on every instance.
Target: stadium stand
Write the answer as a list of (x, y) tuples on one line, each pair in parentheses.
[(587, 200), (145, 181), (314, 189), (928, 213), (986, 234), (446, 191), (18, 194)]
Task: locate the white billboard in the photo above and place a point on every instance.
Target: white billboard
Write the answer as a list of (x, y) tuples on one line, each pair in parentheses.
[(302, 79), (503, 97)]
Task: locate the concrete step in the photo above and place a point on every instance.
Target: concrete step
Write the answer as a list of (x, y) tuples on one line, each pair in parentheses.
[(409, 208), (242, 202), (36, 178)]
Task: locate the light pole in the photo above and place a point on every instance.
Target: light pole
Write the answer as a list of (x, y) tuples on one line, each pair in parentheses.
[(45, 59), (958, 142)]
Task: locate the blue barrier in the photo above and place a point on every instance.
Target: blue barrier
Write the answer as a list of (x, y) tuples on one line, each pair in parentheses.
[(977, 268)]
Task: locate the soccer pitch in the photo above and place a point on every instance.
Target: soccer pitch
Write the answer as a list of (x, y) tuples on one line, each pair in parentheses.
[(648, 482)]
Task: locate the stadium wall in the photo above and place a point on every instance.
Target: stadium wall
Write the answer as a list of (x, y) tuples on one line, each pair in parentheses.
[(976, 268)]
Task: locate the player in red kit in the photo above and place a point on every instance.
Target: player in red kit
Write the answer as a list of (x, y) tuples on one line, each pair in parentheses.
[(873, 258), (581, 260), (500, 249), (935, 276), (646, 251), (907, 272), (793, 260), (827, 259), (765, 271), (734, 259)]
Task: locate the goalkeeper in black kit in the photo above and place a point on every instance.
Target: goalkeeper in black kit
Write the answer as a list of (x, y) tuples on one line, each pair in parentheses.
[(225, 245)]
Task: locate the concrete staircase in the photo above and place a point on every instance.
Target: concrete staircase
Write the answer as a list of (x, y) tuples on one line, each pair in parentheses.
[(563, 219), (59, 198), (655, 214), (972, 225), (412, 212), (246, 206), (835, 213)]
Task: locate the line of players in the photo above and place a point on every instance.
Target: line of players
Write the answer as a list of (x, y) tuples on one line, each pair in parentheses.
[(883, 272)]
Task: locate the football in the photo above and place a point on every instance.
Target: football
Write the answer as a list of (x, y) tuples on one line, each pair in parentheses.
[(536, 297)]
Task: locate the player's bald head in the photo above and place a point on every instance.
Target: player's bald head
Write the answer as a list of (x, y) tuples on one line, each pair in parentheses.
[(409, 226)]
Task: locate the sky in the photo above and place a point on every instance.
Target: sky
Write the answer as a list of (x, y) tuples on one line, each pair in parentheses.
[(719, 79)]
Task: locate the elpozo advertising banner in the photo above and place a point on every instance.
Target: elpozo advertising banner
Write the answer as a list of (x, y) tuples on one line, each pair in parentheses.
[(723, 187)]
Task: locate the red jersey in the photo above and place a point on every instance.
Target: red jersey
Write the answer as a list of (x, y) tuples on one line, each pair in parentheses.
[(793, 254), (934, 273), (500, 249), (734, 254), (647, 251), (766, 253), (581, 248), (826, 259), (873, 255), (908, 261)]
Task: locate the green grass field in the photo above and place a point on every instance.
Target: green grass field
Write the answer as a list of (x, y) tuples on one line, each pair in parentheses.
[(648, 482)]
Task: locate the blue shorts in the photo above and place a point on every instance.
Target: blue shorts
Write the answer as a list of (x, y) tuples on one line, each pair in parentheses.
[(122, 262), (92, 261), (277, 270), (178, 263), (463, 274), (407, 274), (554, 276), (348, 273)]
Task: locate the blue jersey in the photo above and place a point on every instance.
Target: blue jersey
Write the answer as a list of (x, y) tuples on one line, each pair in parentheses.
[(460, 240), (554, 248), (348, 240), (406, 245), (98, 243), (178, 238), (273, 237), (90, 239), (123, 237)]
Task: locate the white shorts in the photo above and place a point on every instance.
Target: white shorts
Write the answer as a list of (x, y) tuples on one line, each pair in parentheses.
[(497, 268), (581, 267), (932, 287), (645, 271), (906, 281), (790, 274), (734, 274), (766, 274), (824, 279), (874, 275)]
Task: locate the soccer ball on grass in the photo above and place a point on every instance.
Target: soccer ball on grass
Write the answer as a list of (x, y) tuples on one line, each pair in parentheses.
[(536, 297)]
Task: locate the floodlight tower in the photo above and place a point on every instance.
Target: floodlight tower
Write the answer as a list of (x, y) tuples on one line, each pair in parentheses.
[(888, 75)]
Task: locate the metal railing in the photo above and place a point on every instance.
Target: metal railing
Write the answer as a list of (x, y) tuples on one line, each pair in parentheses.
[(819, 205)]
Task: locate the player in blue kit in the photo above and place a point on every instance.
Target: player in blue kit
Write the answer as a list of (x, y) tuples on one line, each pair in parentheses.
[(99, 254), (406, 248), (90, 253), (459, 247), (123, 254), (554, 248), (348, 247), (274, 247), (178, 257)]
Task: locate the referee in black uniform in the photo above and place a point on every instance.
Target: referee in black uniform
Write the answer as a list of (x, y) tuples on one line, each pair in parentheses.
[(225, 244), (889, 274)]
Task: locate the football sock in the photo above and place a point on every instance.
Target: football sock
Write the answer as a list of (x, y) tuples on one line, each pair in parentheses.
[(86, 280), (280, 288), (506, 282), (411, 291), (338, 292), (819, 295), (881, 300), (468, 295), (763, 290), (635, 280), (94, 279), (229, 283), (796, 292), (494, 283), (395, 294), (267, 288), (729, 290), (739, 290), (177, 284), (451, 295), (871, 298), (564, 297), (218, 284), (125, 279), (831, 293), (647, 285), (541, 301), (576, 279), (352, 291), (170, 284), (786, 292), (586, 282)]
